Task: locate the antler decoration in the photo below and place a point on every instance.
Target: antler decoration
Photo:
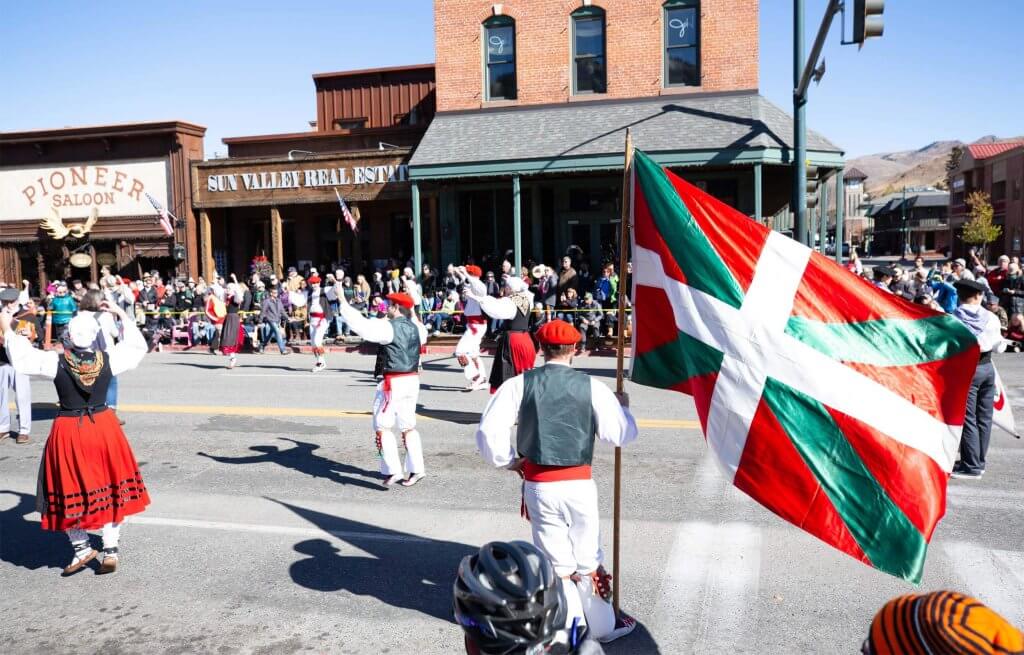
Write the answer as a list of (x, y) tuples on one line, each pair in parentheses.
[(54, 226)]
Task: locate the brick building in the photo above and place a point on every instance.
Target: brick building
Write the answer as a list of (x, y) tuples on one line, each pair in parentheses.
[(998, 170), (533, 99), (276, 195)]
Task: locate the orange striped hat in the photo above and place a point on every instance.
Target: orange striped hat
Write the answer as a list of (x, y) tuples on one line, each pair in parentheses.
[(941, 622)]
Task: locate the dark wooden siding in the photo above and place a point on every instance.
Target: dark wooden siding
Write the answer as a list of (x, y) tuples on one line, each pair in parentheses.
[(384, 98)]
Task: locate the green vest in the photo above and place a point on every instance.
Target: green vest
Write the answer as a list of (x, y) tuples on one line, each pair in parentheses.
[(556, 417), (402, 355)]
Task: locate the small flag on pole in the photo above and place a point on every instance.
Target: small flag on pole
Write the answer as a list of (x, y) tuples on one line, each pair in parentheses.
[(1002, 414), (165, 216), (349, 218)]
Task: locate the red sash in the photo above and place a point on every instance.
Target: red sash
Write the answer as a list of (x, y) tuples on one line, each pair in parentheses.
[(539, 473)]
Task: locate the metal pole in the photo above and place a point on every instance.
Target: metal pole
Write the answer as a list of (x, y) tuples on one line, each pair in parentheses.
[(517, 223), (757, 192), (903, 223), (799, 198), (840, 214), (417, 246), (823, 215)]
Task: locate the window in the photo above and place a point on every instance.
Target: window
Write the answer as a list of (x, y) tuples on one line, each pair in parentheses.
[(682, 43), (351, 123), (588, 63), (999, 190), (500, 57)]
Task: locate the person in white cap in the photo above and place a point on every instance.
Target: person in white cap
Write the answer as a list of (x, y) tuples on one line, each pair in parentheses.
[(467, 350), (516, 351), (400, 336), (12, 302), (89, 478)]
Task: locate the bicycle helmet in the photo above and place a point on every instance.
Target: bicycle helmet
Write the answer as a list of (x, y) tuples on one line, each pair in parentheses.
[(508, 599)]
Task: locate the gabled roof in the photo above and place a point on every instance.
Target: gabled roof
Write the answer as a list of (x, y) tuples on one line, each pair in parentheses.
[(986, 150), (854, 173), (724, 127)]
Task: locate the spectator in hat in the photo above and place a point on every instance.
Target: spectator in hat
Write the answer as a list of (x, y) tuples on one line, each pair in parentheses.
[(997, 276), (62, 309), (992, 305), (977, 429), (960, 271)]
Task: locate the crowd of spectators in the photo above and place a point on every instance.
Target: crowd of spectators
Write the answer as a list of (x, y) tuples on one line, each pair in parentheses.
[(273, 309), (934, 286)]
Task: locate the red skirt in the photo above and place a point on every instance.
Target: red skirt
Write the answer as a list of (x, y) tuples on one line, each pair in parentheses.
[(516, 354), (232, 335), (88, 476)]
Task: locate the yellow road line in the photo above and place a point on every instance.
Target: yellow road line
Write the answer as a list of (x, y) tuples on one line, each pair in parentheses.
[(315, 412)]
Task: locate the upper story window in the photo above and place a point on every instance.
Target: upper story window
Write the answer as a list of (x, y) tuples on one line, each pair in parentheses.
[(682, 43), (588, 56), (500, 57)]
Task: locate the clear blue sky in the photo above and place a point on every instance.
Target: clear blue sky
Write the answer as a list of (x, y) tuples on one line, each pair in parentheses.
[(944, 69)]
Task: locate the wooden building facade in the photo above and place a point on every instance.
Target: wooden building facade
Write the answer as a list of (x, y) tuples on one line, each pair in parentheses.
[(62, 175)]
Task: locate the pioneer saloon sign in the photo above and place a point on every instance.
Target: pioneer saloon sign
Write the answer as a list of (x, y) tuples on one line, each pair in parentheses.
[(226, 182), (113, 188)]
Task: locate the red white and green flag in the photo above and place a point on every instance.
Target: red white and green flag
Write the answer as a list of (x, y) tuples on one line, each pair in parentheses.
[(832, 403)]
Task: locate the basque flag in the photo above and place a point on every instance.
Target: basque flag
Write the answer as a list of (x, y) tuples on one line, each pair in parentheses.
[(834, 404)]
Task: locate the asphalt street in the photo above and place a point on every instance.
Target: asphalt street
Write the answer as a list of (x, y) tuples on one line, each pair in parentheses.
[(270, 533)]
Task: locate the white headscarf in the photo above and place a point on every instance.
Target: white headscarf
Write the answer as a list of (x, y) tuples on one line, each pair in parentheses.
[(83, 329)]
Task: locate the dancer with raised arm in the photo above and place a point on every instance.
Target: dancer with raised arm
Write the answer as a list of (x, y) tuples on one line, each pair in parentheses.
[(400, 336), (89, 478), (516, 352), (467, 350)]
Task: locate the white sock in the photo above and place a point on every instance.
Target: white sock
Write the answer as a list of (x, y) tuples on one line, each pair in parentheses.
[(111, 533)]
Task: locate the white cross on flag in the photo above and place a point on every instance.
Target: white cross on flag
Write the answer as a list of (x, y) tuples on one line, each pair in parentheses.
[(833, 404)]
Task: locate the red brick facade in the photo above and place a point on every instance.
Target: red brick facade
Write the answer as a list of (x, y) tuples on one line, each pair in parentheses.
[(634, 35)]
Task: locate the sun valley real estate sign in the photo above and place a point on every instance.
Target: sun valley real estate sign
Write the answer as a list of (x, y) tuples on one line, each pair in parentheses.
[(113, 188)]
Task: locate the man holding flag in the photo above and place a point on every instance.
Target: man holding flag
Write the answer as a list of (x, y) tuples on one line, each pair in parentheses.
[(836, 405), (557, 412)]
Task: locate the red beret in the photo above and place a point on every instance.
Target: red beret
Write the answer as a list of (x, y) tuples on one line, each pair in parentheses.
[(314, 279), (403, 299), (558, 333), (474, 270)]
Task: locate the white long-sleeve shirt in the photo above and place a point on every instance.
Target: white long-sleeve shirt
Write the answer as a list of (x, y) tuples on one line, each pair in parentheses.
[(25, 358), (476, 288), (502, 309), (991, 336), (376, 330), (615, 424)]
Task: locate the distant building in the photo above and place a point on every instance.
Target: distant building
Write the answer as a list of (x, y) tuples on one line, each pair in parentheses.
[(998, 170), (914, 221), (853, 209)]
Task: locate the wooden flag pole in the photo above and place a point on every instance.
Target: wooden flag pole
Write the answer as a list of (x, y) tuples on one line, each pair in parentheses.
[(620, 382)]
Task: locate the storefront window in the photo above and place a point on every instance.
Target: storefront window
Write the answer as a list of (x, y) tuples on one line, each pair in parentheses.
[(500, 57), (589, 70), (682, 43)]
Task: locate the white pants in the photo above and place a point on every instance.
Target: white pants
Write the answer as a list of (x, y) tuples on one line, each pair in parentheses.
[(566, 527), (469, 347), (317, 332), (396, 409), (9, 379)]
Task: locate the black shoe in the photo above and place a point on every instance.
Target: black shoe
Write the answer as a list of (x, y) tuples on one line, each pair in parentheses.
[(964, 474)]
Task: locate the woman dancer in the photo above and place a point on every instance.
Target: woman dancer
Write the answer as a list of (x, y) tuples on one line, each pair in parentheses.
[(233, 335), (89, 478)]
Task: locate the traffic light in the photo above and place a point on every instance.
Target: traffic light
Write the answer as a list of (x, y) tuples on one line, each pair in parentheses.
[(867, 19), (812, 187)]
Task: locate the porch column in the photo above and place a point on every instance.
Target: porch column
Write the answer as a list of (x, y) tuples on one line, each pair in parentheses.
[(435, 233), (823, 216), (757, 192), (417, 245), (517, 223), (840, 214), (536, 225), (277, 242), (206, 246)]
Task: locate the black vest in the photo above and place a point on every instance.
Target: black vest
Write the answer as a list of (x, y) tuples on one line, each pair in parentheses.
[(518, 323), (402, 355), (73, 395), (556, 417)]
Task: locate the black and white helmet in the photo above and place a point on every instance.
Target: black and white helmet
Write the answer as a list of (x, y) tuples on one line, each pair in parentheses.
[(508, 599)]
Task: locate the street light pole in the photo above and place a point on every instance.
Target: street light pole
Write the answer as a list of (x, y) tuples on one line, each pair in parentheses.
[(903, 222), (799, 196)]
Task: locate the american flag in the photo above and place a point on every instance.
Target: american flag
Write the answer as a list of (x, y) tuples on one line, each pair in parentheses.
[(165, 216), (349, 218)]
